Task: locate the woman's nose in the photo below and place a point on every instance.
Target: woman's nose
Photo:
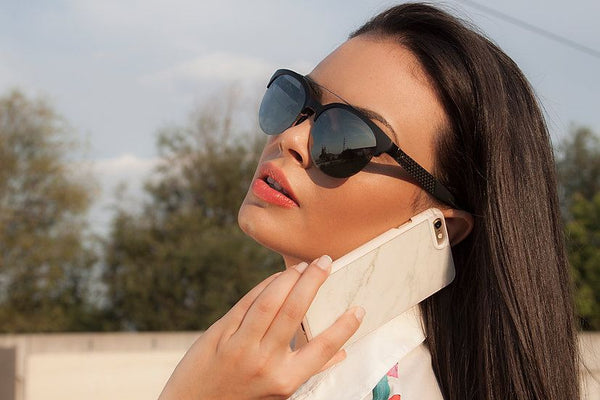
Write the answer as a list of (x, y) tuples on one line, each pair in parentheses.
[(294, 142)]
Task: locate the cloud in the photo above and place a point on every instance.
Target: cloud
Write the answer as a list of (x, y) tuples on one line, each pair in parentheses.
[(131, 15), (126, 169), (156, 23), (12, 72), (111, 173), (220, 66), (125, 165), (209, 72)]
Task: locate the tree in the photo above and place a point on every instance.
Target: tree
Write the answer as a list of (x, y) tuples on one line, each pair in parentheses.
[(44, 262), (578, 162), (182, 261), (583, 231)]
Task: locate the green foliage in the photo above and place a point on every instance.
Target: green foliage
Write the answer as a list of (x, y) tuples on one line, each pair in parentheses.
[(182, 262), (584, 254), (44, 264), (578, 162)]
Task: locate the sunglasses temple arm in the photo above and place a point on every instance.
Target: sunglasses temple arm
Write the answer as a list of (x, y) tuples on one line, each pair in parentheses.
[(441, 193), (423, 178)]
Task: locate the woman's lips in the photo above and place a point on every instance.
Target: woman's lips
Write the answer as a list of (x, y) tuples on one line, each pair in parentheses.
[(272, 186), (263, 191)]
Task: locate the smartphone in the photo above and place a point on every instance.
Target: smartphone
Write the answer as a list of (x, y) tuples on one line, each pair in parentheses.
[(386, 276)]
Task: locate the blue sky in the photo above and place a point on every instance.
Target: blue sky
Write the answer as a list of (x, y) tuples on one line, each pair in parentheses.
[(118, 70)]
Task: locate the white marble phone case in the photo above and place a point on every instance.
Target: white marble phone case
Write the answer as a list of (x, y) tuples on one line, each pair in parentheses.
[(386, 276)]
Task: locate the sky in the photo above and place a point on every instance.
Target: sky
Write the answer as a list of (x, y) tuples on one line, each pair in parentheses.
[(119, 70)]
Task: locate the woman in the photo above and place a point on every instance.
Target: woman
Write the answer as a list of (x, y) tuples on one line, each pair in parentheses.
[(462, 110)]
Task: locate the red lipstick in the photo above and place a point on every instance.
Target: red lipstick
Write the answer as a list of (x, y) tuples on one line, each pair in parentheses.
[(272, 186)]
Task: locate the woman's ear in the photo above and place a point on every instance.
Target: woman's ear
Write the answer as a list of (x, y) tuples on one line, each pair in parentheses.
[(459, 224)]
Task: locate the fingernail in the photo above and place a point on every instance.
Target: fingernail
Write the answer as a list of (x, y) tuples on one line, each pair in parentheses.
[(324, 262), (301, 267), (359, 313)]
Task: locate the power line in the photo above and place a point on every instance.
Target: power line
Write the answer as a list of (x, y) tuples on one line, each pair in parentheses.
[(526, 25)]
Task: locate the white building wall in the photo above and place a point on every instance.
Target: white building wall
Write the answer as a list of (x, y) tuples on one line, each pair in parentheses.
[(95, 366)]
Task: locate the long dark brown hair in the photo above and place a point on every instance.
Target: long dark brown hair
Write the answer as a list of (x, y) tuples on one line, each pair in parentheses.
[(505, 328)]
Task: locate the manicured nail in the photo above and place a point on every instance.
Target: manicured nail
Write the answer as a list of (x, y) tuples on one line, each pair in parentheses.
[(359, 313), (324, 262), (301, 267)]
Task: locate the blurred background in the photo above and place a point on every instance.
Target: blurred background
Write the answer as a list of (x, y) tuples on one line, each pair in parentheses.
[(128, 138)]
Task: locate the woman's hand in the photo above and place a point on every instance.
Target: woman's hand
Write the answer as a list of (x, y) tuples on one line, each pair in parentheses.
[(247, 355)]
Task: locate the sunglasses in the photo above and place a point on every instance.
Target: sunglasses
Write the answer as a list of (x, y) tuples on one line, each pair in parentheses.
[(343, 139)]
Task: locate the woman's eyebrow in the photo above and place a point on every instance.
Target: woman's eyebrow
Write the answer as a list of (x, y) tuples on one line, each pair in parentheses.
[(315, 87), (378, 117), (318, 92)]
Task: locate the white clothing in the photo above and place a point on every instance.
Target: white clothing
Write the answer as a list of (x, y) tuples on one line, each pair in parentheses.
[(401, 342)]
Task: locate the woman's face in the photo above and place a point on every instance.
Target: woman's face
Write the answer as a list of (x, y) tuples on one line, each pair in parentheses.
[(331, 215)]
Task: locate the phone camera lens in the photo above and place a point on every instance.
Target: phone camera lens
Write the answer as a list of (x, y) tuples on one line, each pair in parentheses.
[(437, 224)]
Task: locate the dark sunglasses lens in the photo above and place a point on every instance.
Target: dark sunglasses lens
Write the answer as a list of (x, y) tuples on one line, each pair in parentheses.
[(342, 143), (282, 103)]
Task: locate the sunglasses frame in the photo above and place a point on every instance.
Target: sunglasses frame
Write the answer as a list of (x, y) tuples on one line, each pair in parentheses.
[(384, 143)]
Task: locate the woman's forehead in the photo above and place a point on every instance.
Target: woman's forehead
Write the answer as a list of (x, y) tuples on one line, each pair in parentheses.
[(372, 60), (383, 76)]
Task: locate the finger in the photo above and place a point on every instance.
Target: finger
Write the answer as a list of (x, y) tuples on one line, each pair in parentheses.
[(316, 353), (292, 312), (338, 357), (266, 305), (236, 314)]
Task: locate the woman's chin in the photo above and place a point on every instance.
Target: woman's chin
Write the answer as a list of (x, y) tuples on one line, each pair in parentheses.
[(259, 229), (256, 227)]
